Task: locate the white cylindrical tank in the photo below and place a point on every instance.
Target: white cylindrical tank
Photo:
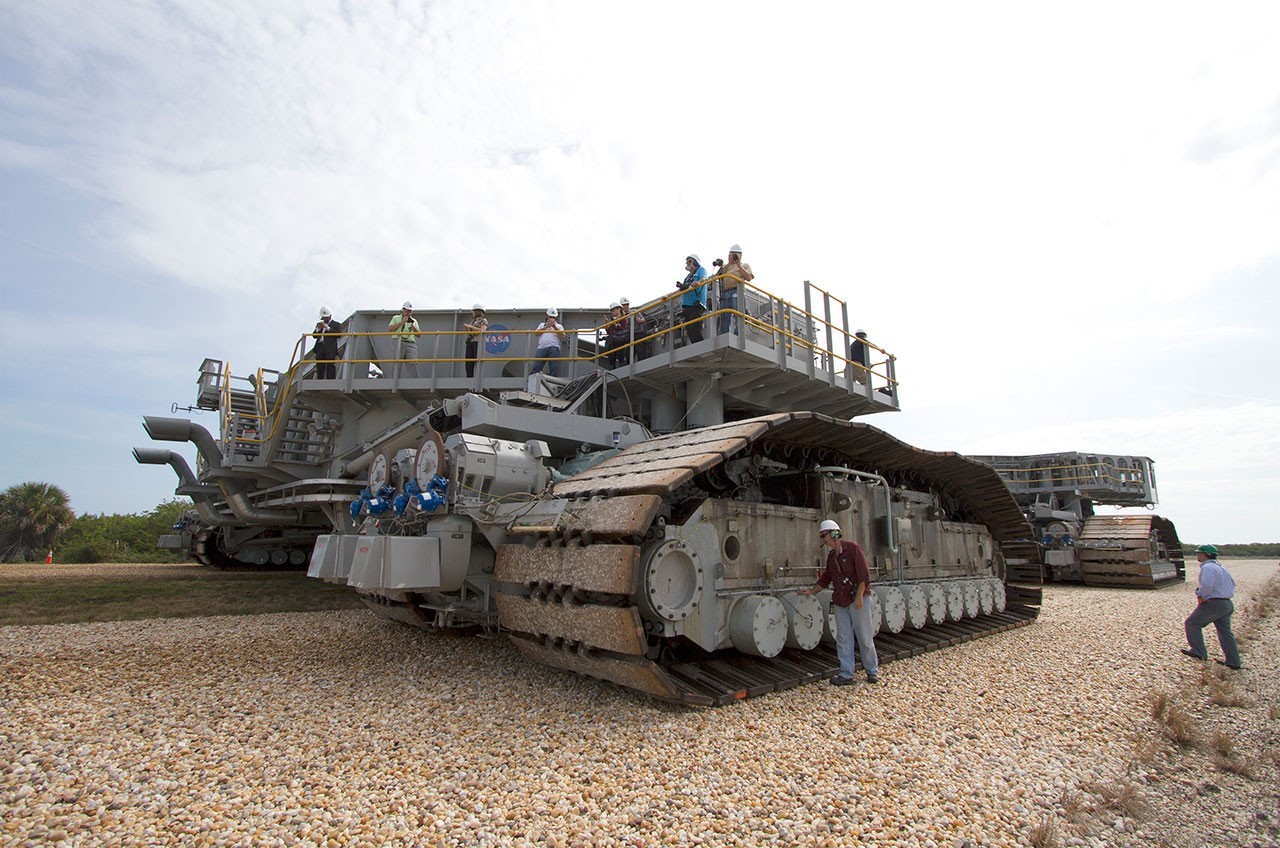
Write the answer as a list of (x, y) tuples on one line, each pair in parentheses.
[(970, 589), (986, 600), (937, 597), (805, 621), (998, 594), (758, 625), (917, 606), (893, 608), (955, 602)]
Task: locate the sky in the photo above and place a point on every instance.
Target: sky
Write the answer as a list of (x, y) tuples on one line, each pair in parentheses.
[(1063, 220)]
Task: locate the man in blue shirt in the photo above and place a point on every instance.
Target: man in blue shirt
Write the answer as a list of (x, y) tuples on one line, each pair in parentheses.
[(1213, 605), (693, 303)]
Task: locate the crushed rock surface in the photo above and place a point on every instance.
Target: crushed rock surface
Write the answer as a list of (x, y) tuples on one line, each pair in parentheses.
[(339, 728)]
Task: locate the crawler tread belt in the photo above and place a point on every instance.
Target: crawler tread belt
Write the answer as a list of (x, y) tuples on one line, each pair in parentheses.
[(567, 600), (1133, 551)]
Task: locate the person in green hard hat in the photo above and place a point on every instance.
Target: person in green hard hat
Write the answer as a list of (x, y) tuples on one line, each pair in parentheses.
[(1214, 606)]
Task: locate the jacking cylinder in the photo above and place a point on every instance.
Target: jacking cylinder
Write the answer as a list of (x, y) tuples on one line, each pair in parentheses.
[(672, 581), (804, 621), (758, 625)]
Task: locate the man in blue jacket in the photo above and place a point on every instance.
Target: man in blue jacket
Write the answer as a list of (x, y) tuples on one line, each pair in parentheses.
[(1213, 606), (693, 303)]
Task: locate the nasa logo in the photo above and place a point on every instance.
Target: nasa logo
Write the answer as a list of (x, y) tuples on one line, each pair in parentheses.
[(497, 339)]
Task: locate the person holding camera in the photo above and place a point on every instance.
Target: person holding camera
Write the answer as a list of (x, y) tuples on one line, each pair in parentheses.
[(326, 348), (405, 331), (693, 303), (849, 579), (476, 327), (731, 275)]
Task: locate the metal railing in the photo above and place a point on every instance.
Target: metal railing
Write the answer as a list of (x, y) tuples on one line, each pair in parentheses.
[(793, 331)]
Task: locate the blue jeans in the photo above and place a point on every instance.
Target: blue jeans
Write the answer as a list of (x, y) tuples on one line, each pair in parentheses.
[(1218, 612), (728, 300), (853, 630), (553, 368)]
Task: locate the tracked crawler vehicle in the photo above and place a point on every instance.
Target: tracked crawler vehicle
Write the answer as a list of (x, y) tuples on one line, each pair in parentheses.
[(1059, 492), (647, 524)]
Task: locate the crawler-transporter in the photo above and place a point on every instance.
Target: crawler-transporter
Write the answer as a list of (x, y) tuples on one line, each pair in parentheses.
[(647, 517)]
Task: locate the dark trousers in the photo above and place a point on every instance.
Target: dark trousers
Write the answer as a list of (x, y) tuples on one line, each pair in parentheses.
[(693, 312), (1218, 613), (326, 370), (473, 350)]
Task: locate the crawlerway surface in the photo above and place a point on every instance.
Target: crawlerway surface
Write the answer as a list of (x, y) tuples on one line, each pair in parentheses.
[(337, 728)]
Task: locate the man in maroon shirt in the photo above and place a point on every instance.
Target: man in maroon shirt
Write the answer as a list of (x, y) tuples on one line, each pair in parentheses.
[(851, 601)]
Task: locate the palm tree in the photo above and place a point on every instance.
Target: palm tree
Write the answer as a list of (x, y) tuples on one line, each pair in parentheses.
[(31, 517)]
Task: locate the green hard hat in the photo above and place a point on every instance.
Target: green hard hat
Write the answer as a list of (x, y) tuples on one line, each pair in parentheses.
[(1208, 549)]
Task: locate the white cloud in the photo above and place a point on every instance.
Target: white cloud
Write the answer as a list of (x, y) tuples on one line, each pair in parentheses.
[(1046, 213)]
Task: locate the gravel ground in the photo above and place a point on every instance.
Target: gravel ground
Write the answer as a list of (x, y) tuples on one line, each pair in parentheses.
[(337, 728)]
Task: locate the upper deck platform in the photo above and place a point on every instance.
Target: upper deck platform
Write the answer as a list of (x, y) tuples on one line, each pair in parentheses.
[(768, 355)]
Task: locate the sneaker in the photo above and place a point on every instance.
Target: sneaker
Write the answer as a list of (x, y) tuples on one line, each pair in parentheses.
[(842, 681), (1228, 665), (1193, 654), (871, 678)]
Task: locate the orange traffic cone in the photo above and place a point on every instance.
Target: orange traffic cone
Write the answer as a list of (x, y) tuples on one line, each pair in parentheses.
[(49, 559)]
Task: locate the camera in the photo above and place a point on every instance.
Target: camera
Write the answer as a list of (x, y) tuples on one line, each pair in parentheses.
[(718, 263)]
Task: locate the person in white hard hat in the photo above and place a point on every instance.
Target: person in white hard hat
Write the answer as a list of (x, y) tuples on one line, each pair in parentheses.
[(693, 303), (617, 334), (326, 349), (731, 275), (858, 356), (641, 325), (849, 578), (406, 332), (476, 327), (548, 344)]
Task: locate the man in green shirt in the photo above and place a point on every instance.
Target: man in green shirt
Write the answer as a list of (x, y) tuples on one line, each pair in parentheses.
[(405, 328)]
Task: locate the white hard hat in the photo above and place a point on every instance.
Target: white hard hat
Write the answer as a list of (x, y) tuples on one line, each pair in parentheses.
[(695, 258), (475, 307), (552, 312), (407, 305), (827, 526), (626, 301), (614, 305), (325, 313), (860, 332), (737, 248)]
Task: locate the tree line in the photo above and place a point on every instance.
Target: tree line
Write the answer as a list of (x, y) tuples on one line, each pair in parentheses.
[(1256, 550), (37, 517)]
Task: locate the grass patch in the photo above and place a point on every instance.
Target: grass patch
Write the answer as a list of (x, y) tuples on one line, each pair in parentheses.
[(1243, 766), (1222, 743), (1045, 834), (1225, 694), (176, 592), (1123, 797)]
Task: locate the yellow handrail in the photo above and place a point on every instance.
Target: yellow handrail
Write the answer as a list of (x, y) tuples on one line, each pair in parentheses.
[(773, 325)]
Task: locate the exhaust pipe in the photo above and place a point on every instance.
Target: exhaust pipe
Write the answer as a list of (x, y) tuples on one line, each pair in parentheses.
[(182, 430), (202, 495)]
